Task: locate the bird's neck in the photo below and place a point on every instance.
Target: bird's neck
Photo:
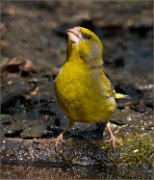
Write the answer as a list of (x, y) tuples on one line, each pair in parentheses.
[(95, 64), (96, 68), (72, 51)]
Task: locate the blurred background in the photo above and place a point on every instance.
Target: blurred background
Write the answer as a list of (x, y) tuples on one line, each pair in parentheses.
[(33, 48), (37, 30)]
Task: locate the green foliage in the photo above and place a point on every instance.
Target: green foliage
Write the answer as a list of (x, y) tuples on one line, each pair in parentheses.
[(136, 150)]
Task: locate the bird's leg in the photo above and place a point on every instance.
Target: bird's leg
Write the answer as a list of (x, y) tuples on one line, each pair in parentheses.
[(60, 138), (112, 139)]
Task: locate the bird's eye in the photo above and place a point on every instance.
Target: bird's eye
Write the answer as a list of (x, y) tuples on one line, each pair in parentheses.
[(87, 36)]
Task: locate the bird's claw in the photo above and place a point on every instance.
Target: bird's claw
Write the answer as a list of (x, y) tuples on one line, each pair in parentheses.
[(59, 140), (114, 141)]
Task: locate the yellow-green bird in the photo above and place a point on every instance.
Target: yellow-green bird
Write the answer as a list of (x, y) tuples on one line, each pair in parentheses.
[(83, 91)]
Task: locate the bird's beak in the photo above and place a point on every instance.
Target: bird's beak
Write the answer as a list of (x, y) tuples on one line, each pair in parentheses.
[(74, 34)]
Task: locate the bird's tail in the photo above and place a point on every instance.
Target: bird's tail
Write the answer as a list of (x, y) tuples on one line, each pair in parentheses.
[(120, 96)]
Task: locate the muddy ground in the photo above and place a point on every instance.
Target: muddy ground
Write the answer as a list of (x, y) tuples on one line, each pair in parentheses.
[(33, 48)]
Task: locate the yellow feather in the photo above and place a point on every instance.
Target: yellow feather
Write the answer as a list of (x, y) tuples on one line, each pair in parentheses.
[(120, 96)]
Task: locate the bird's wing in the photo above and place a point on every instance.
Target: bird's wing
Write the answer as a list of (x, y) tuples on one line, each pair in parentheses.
[(107, 86), (109, 89)]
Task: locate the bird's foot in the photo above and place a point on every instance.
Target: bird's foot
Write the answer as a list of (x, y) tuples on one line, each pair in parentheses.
[(114, 141), (59, 140)]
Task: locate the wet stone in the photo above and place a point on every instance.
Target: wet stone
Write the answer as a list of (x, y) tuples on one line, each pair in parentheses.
[(149, 102), (35, 131)]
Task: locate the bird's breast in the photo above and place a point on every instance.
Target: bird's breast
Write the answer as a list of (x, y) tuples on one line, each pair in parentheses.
[(79, 94), (72, 81)]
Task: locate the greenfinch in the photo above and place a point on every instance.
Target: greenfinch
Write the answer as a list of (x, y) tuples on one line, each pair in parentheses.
[(83, 91)]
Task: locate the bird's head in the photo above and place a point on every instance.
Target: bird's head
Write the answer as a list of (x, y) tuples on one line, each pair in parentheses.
[(85, 43)]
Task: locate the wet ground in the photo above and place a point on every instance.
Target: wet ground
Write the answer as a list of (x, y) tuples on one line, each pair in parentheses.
[(33, 46)]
